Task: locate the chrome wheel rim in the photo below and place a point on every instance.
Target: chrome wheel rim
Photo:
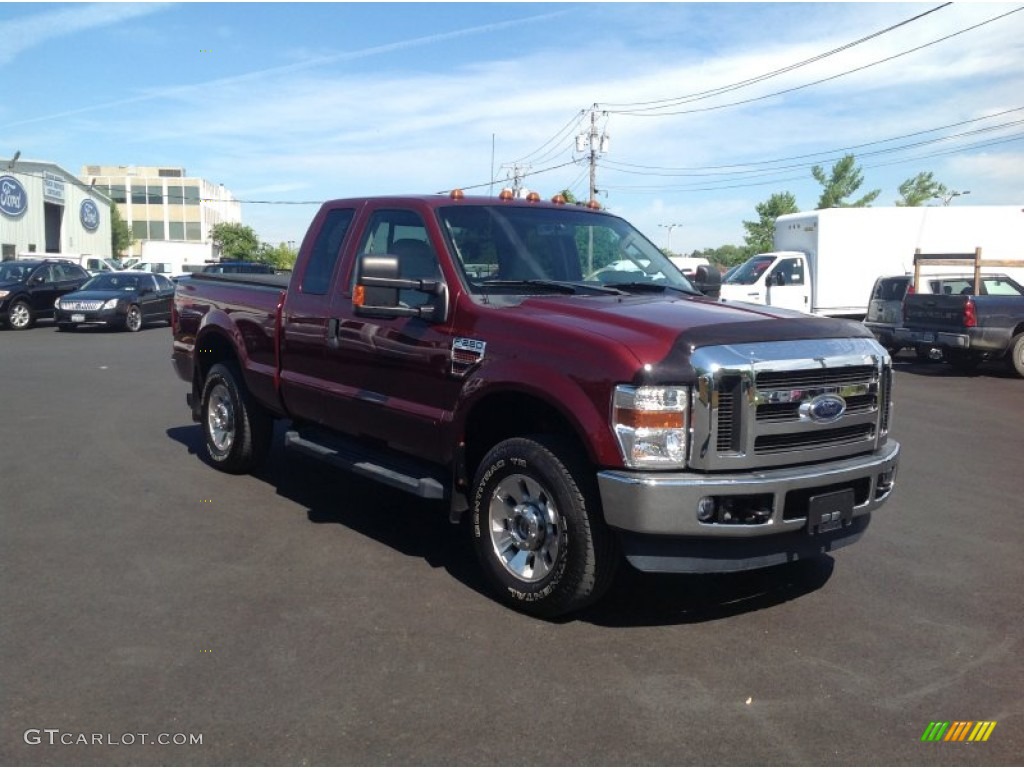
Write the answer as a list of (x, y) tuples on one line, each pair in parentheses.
[(220, 419), (134, 321), (19, 315), (525, 528)]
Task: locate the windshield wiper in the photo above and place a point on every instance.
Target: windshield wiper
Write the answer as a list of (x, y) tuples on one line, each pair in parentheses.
[(651, 287), (554, 286)]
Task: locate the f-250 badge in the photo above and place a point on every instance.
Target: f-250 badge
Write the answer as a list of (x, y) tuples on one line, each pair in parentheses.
[(466, 353)]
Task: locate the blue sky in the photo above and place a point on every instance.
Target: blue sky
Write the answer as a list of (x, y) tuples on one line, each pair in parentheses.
[(307, 102)]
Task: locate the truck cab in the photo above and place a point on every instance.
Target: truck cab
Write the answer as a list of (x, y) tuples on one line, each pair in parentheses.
[(777, 279)]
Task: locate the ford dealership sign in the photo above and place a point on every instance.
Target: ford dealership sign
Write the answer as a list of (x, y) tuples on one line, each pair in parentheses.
[(90, 215), (13, 200)]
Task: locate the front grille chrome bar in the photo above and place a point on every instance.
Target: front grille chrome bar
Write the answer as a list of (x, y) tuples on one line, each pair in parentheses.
[(754, 403)]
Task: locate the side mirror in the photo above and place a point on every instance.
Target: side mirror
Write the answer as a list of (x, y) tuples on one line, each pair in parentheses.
[(708, 281), (377, 291)]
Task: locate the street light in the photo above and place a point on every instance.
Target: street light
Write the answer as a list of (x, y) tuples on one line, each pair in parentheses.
[(946, 198), (669, 227)]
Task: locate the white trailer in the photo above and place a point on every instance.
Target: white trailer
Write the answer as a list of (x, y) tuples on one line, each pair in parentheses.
[(826, 262)]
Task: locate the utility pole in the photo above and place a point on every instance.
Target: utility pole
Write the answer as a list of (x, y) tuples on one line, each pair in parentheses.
[(515, 174), (598, 143)]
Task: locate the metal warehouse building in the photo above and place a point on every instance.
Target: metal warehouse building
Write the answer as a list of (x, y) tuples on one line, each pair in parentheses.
[(46, 210)]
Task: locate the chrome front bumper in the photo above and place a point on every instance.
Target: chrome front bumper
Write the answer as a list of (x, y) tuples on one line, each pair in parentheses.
[(655, 515), (666, 504)]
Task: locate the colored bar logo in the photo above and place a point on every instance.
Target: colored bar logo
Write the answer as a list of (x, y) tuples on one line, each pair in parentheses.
[(959, 730)]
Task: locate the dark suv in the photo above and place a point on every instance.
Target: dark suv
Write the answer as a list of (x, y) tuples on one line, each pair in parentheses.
[(28, 289)]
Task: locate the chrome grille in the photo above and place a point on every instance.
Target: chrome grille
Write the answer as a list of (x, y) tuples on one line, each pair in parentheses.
[(81, 306), (755, 403), (799, 441)]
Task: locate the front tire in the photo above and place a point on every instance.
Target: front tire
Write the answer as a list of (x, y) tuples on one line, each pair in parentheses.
[(1016, 358), (538, 529), (19, 315), (133, 319), (236, 431)]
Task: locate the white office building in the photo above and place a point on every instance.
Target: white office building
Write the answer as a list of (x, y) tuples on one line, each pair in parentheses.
[(164, 203)]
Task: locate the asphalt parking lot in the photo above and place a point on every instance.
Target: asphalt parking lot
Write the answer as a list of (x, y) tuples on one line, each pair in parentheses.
[(305, 617)]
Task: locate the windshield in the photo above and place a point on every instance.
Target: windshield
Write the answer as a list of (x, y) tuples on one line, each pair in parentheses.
[(748, 272), (13, 272), (506, 249), (112, 282)]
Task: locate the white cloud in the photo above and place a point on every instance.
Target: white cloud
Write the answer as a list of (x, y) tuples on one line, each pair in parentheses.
[(23, 34)]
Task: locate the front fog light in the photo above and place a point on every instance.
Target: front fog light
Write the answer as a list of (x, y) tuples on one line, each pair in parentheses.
[(706, 509)]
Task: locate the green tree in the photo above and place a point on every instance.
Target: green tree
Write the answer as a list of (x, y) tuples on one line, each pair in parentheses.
[(919, 190), (761, 233), (570, 198), (280, 256), (121, 237), (236, 242), (844, 180)]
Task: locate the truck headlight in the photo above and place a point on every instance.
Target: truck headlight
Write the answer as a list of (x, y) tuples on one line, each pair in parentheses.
[(651, 424), (111, 304)]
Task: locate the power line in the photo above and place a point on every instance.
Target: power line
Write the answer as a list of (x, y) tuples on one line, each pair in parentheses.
[(844, 150), (640, 113), (824, 157), (714, 187), (640, 106)]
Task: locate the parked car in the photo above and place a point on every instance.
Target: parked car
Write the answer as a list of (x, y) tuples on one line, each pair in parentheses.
[(970, 323), (29, 288), (240, 268), (125, 300), (885, 307), (455, 348)]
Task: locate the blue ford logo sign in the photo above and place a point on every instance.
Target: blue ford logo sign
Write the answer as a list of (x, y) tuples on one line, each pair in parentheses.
[(13, 200), (90, 215), (824, 408)]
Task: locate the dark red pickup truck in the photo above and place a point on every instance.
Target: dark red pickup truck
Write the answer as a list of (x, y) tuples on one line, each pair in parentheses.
[(546, 369)]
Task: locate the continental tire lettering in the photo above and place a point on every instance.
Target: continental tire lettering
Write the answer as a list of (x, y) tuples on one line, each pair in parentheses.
[(499, 464)]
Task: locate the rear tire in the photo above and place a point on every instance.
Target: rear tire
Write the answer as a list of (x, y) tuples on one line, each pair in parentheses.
[(538, 529), (236, 430), (1016, 357)]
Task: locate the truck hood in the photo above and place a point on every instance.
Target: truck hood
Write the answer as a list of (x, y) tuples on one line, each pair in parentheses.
[(663, 331)]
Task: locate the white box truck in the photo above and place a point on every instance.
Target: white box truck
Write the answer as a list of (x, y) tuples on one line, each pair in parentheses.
[(826, 262), (174, 259)]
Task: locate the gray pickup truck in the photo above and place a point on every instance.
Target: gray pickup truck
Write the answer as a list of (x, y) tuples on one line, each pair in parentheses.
[(969, 323)]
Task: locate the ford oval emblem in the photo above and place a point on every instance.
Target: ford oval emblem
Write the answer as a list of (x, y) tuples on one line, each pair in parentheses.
[(13, 200), (90, 215), (824, 408)]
